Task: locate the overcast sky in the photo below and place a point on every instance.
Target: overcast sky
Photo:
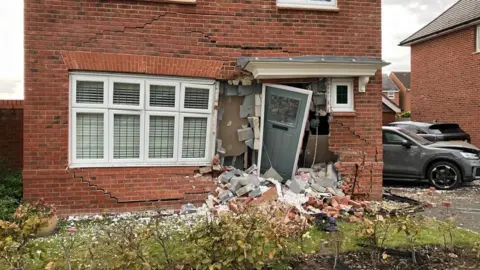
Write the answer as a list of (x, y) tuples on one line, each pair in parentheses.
[(400, 19)]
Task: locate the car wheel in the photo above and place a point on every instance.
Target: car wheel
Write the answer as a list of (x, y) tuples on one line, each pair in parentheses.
[(444, 175)]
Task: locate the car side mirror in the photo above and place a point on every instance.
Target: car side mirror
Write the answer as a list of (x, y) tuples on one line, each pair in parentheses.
[(406, 144)]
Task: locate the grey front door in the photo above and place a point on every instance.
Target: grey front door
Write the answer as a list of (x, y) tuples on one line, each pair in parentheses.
[(284, 115)]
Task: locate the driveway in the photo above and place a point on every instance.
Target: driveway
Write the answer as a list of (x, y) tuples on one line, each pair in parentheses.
[(465, 201)]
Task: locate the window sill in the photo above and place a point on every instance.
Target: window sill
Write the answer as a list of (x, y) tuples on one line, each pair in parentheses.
[(308, 7), (127, 165), (344, 114)]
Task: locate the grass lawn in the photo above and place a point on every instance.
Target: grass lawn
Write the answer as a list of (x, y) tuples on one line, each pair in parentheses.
[(90, 237)]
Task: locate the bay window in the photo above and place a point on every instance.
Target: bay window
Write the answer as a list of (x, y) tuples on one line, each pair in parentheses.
[(138, 121)]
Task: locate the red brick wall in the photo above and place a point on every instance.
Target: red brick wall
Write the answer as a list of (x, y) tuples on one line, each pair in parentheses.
[(446, 81), (209, 30), (11, 135), (388, 117)]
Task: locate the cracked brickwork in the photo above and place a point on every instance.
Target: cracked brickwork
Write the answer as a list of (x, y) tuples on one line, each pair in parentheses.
[(210, 35), (357, 139), (445, 81)]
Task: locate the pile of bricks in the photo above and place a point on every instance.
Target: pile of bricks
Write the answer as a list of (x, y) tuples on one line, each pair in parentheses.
[(304, 194)]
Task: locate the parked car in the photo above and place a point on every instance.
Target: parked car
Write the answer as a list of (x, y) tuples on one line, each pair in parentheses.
[(445, 165), (435, 132)]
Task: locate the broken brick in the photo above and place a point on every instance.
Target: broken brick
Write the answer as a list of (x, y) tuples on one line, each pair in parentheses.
[(204, 170), (269, 196)]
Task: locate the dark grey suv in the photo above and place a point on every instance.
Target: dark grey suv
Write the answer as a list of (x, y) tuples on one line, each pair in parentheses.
[(445, 165), (434, 132)]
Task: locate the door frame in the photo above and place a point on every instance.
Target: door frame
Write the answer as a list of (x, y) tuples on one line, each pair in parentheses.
[(302, 132)]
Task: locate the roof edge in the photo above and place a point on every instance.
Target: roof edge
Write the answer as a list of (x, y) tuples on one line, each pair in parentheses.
[(442, 32)]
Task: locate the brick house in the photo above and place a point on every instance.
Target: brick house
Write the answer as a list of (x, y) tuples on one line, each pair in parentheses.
[(125, 100), (402, 81), (390, 89), (446, 67), (390, 100)]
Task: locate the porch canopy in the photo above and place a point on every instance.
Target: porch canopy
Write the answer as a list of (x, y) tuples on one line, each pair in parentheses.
[(310, 66)]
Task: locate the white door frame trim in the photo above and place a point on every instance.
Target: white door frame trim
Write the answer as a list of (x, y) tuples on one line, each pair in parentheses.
[(302, 132)]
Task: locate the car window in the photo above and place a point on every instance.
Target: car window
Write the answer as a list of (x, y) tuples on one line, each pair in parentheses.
[(445, 129), (415, 137), (413, 129), (392, 138)]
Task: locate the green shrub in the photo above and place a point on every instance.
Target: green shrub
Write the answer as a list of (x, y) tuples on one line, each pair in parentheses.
[(10, 192), (252, 239), (404, 115)]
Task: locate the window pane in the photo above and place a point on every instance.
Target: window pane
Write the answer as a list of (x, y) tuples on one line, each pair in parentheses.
[(89, 92), (126, 136), (162, 96), (89, 140), (126, 94), (342, 94), (161, 137), (393, 138), (194, 137), (196, 98), (283, 110)]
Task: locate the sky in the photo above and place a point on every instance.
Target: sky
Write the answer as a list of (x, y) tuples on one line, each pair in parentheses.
[(400, 19)]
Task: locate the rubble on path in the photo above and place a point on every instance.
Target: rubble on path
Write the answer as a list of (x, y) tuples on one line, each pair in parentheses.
[(314, 192)]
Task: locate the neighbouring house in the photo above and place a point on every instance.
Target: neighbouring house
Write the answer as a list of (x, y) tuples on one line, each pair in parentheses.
[(390, 89), (11, 137), (402, 81), (390, 100), (446, 66), (126, 100), (390, 110)]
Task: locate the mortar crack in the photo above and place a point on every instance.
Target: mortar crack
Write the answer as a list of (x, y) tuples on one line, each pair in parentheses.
[(105, 192), (205, 35)]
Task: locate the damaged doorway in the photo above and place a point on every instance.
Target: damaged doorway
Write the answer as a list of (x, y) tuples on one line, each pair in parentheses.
[(283, 123)]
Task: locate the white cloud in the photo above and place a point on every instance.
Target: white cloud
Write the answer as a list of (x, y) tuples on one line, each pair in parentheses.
[(400, 19), (11, 50)]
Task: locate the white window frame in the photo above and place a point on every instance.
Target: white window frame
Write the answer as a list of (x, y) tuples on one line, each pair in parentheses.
[(391, 95), (478, 38), (313, 4), (180, 146), (163, 83), (113, 80), (86, 78), (198, 86), (335, 107), (145, 111), (111, 128), (73, 145), (176, 138)]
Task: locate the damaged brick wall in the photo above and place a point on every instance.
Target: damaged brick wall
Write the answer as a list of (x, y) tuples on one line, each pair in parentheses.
[(208, 30), (11, 137), (357, 139), (446, 88)]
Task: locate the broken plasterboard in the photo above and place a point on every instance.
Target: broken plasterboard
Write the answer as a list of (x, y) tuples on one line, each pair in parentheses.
[(323, 154), (230, 123), (230, 90)]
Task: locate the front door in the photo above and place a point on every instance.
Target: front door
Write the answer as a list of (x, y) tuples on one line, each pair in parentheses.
[(399, 161), (285, 110)]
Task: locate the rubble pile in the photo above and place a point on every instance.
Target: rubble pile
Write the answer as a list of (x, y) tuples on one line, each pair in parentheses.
[(313, 191)]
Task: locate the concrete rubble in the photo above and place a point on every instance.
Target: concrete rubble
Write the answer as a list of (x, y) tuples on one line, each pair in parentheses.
[(312, 192)]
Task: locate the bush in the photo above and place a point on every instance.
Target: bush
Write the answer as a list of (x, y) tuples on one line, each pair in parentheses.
[(404, 115), (10, 192), (252, 239)]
